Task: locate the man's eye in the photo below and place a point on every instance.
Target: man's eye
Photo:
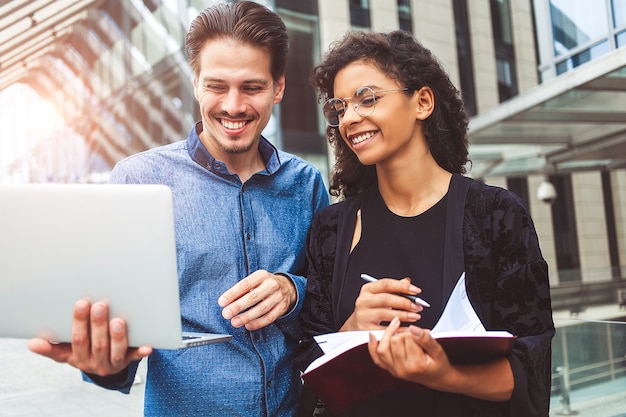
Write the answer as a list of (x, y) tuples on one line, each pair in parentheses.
[(215, 88), (252, 89)]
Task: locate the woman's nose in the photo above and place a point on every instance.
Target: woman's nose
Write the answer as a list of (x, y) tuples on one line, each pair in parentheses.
[(350, 115)]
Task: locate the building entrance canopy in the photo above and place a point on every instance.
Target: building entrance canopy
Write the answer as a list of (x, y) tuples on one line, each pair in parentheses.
[(574, 122)]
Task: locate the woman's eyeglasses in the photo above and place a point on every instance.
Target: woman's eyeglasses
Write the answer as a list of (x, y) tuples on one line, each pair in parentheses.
[(363, 103)]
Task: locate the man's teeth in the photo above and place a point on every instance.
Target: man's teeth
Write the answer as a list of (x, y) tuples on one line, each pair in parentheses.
[(233, 125), (361, 138)]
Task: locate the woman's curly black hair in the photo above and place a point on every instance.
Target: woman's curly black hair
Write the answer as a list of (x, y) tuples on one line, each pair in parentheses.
[(406, 61)]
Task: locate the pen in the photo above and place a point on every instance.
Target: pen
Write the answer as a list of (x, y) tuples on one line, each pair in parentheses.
[(413, 298)]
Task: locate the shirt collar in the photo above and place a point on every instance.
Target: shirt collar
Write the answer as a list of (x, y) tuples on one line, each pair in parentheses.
[(202, 157)]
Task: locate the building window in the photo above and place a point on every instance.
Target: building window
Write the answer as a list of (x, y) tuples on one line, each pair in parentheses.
[(360, 14), (299, 126), (303, 6), (619, 13), (404, 15), (585, 56), (611, 224), (619, 21), (519, 186), (464, 56), (577, 31), (577, 24), (565, 231), (504, 49), (579, 35)]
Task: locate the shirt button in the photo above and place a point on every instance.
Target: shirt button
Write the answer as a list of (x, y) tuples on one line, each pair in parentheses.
[(256, 336), (269, 383), (248, 236)]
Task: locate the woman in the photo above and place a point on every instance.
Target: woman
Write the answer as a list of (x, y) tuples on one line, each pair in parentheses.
[(410, 217)]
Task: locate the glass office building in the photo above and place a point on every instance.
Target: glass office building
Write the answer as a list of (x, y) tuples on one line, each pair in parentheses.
[(83, 83)]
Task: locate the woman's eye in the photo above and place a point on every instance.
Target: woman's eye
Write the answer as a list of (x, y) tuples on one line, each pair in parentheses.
[(368, 101)]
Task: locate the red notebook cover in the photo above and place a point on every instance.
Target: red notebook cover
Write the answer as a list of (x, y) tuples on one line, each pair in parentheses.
[(352, 377)]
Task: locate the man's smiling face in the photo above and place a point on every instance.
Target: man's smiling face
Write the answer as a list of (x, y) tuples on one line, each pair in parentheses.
[(236, 94)]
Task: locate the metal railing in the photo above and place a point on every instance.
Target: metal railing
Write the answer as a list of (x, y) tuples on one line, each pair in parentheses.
[(589, 362), (579, 295)]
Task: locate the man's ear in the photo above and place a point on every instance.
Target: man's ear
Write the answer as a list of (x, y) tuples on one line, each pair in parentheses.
[(195, 88), (279, 89), (425, 103)]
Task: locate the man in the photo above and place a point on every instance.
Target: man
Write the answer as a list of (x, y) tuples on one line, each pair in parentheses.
[(242, 208)]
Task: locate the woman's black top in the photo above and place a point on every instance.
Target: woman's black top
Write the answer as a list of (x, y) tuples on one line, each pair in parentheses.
[(393, 246)]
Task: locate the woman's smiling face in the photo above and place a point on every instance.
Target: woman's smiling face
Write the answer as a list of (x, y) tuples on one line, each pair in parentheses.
[(389, 127)]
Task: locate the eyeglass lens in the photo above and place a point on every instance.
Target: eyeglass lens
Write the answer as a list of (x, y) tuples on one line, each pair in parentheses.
[(363, 102)]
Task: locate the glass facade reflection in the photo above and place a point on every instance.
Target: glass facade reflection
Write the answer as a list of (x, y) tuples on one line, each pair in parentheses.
[(504, 49), (618, 10), (464, 55), (300, 122), (580, 31), (360, 14), (405, 17), (575, 23), (120, 80)]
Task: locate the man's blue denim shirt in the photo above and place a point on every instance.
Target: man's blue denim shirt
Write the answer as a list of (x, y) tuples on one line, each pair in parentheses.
[(226, 230)]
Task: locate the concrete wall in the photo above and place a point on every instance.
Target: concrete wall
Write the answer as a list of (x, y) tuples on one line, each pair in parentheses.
[(433, 25), (591, 227), (524, 44), (334, 21), (384, 15)]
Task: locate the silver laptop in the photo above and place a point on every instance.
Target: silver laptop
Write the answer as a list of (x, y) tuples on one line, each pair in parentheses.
[(60, 243)]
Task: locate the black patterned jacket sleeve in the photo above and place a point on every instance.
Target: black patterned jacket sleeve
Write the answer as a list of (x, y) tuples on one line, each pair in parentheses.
[(507, 282), (316, 316)]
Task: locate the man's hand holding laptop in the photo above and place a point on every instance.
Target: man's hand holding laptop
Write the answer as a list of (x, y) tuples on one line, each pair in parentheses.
[(98, 346)]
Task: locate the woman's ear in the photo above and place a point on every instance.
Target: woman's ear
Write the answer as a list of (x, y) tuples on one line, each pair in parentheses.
[(425, 103)]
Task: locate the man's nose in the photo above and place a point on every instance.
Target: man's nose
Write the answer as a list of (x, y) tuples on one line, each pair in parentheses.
[(234, 102)]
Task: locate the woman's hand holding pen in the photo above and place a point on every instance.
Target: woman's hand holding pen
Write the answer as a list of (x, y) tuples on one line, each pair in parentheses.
[(379, 302)]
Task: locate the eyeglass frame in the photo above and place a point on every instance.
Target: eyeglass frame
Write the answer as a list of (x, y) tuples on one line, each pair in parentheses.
[(355, 105)]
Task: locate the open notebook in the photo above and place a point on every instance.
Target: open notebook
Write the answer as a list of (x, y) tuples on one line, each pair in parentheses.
[(345, 374), (61, 242)]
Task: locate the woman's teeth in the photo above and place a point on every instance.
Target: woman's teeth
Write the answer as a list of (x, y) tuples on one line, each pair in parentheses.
[(362, 137)]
